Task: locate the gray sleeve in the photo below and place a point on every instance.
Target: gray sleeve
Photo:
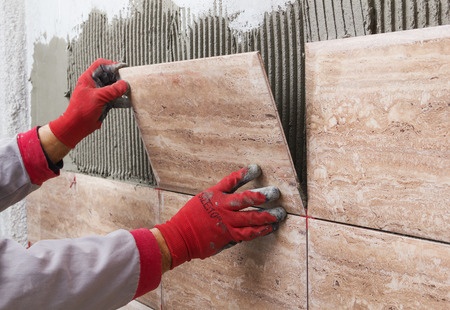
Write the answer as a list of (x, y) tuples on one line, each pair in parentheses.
[(15, 183), (85, 273)]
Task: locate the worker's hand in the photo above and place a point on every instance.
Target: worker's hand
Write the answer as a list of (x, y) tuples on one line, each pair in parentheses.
[(212, 221), (98, 89)]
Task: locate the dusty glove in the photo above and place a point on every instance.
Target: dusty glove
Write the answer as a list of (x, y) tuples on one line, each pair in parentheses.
[(212, 221), (94, 95)]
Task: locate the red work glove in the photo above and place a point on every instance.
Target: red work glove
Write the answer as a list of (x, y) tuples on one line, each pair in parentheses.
[(212, 221), (94, 95)]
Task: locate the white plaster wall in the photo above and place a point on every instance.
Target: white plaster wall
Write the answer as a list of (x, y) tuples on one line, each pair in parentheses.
[(46, 19), (15, 110)]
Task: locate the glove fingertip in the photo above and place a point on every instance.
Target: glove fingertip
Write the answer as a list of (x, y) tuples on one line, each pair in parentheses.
[(279, 213), (275, 226), (122, 86), (113, 91), (271, 193), (253, 171), (97, 63), (243, 176)]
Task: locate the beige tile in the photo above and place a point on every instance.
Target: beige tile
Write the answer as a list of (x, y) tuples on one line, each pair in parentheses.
[(356, 268), (202, 119), (76, 205), (267, 273), (378, 131)]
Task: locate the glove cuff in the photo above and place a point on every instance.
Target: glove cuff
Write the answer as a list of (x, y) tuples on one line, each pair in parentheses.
[(67, 131), (177, 242), (33, 157), (150, 261)]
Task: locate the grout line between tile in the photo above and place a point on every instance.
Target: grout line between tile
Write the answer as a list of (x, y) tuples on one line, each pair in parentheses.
[(378, 230), (171, 191), (307, 259)]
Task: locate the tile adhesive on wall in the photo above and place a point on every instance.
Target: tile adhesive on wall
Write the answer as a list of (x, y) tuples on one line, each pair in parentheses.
[(160, 31)]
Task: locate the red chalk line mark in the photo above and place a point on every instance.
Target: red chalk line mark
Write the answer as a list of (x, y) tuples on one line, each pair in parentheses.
[(307, 217), (74, 181)]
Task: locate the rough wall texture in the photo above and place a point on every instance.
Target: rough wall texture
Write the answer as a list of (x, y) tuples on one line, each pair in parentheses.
[(159, 31), (325, 20), (15, 113)]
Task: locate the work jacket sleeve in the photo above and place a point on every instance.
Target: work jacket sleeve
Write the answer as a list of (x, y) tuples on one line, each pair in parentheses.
[(23, 167), (98, 272)]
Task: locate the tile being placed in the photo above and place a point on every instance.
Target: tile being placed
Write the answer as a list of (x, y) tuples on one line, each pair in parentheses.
[(378, 131), (75, 205), (357, 268), (266, 273), (202, 119)]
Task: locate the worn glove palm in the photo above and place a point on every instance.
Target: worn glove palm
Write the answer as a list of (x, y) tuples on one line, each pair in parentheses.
[(212, 221), (94, 95)]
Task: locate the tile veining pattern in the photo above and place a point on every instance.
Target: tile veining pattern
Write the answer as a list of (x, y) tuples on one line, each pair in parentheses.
[(201, 119), (378, 171), (378, 131), (76, 205), (354, 268), (159, 31), (348, 267), (267, 273)]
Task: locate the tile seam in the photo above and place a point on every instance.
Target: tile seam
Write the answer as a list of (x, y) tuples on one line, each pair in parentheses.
[(378, 230)]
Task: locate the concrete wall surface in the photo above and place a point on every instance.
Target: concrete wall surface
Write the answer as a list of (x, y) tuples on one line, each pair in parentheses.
[(14, 104)]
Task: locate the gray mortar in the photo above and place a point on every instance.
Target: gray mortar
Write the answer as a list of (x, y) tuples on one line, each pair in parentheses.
[(162, 32), (325, 20), (159, 31)]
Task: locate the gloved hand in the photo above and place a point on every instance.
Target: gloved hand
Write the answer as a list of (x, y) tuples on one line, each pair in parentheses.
[(212, 221), (92, 98)]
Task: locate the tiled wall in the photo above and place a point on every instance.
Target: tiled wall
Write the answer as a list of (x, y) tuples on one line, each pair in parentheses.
[(192, 147), (379, 171), (159, 31), (75, 205), (268, 273), (376, 235), (357, 268)]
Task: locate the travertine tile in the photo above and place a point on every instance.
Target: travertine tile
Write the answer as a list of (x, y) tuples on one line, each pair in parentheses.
[(356, 268), (378, 131), (75, 205), (202, 119), (266, 273)]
